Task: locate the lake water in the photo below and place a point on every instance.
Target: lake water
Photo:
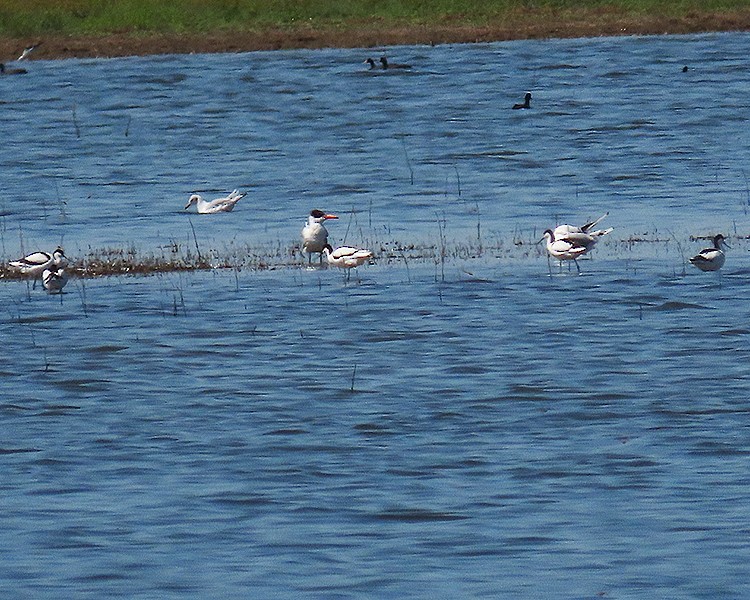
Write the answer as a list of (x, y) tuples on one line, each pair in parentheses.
[(482, 427)]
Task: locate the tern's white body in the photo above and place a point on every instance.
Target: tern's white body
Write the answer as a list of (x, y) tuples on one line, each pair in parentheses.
[(215, 206), (54, 279), (314, 233), (35, 263), (711, 259)]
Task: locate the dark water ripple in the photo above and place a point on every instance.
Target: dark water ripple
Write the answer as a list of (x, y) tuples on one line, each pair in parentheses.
[(482, 428)]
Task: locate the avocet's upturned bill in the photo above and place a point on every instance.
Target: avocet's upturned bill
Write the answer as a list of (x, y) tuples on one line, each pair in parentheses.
[(314, 233), (36, 262), (346, 257), (54, 279), (215, 206), (711, 259)]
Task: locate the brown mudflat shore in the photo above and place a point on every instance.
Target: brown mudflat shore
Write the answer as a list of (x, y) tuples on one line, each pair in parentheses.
[(365, 36)]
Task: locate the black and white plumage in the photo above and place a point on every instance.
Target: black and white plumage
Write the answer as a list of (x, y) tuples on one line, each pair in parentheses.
[(564, 249), (711, 259), (211, 207), (526, 102), (35, 263), (346, 257), (372, 64), (54, 279), (314, 233)]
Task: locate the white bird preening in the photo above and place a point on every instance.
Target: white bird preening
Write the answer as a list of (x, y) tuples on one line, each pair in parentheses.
[(583, 235), (215, 206), (314, 233), (568, 242), (35, 263), (563, 249), (54, 279), (346, 257), (711, 259)]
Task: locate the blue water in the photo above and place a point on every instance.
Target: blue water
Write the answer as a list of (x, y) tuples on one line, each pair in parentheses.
[(485, 427)]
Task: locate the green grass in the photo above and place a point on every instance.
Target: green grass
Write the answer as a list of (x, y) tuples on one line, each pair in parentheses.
[(23, 18)]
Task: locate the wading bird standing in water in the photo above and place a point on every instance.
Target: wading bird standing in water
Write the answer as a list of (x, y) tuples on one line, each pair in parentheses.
[(314, 234), (568, 242), (346, 257), (563, 249), (54, 279), (37, 263)]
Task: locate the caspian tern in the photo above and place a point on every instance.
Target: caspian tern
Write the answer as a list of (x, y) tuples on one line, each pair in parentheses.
[(314, 234)]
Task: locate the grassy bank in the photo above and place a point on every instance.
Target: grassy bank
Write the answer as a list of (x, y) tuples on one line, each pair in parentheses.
[(101, 17), (132, 25)]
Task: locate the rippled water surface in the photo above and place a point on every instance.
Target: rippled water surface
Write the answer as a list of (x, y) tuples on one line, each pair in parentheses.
[(483, 426)]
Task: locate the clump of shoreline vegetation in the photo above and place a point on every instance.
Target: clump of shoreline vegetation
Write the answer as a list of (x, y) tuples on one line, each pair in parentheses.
[(130, 261), (305, 20)]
